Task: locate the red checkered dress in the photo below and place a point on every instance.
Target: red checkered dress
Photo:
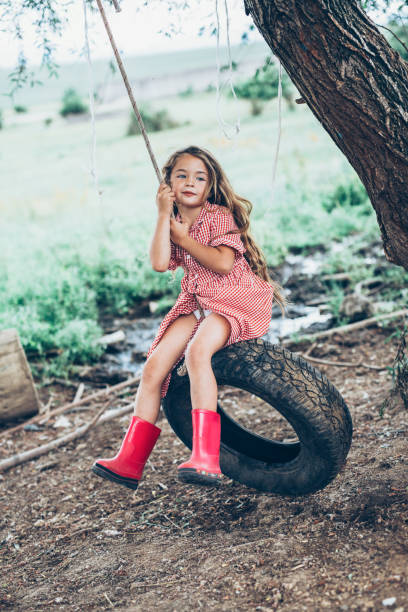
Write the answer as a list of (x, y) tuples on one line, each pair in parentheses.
[(240, 296)]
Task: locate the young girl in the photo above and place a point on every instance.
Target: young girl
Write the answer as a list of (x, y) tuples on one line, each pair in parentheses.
[(226, 296)]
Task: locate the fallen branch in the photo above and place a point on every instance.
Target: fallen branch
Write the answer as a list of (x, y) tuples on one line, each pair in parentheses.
[(347, 328), (343, 364), (339, 276), (309, 350), (79, 393), (108, 600), (114, 338), (20, 458), (85, 400)]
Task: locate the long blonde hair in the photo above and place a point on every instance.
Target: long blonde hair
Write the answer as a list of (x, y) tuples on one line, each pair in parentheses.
[(220, 192)]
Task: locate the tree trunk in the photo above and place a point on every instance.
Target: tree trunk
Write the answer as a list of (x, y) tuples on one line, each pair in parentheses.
[(357, 87)]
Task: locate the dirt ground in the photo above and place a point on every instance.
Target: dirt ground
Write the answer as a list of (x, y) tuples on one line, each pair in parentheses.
[(72, 541)]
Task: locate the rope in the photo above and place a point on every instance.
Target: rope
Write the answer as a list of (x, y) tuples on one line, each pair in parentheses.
[(128, 88), (91, 90), (275, 161), (224, 125)]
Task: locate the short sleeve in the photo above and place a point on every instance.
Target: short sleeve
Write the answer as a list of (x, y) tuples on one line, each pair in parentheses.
[(175, 257), (222, 224)]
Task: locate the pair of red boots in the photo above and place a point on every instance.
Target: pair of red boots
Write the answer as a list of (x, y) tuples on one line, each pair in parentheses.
[(202, 468)]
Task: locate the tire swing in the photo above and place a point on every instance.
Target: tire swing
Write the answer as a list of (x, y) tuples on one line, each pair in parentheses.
[(285, 381), (294, 388)]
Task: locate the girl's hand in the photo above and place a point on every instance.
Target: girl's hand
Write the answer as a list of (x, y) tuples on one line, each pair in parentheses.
[(178, 231), (164, 199)]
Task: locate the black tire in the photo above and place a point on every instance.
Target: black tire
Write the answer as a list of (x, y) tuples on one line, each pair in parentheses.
[(302, 395)]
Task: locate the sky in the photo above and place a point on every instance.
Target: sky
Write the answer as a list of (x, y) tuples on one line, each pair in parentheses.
[(136, 32)]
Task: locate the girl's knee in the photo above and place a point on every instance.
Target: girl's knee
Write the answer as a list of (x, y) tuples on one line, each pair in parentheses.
[(151, 376), (196, 355)]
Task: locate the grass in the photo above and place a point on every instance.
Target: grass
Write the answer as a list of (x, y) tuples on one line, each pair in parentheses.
[(66, 255)]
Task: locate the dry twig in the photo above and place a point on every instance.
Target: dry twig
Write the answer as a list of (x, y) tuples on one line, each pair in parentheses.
[(109, 601), (343, 364), (309, 350), (347, 328), (79, 393), (85, 400), (19, 458)]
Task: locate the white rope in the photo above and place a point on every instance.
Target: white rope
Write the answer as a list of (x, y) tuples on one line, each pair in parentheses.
[(275, 161), (91, 94), (226, 127)]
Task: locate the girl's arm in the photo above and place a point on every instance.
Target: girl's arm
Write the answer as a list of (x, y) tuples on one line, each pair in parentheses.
[(219, 259), (160, 244)]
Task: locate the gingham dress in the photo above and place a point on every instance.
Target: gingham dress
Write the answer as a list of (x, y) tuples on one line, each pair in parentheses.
[(240, 296)]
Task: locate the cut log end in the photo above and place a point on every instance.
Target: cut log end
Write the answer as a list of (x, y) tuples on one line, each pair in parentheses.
[(18, 395)]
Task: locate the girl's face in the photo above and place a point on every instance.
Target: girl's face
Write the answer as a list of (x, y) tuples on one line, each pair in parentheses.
[(189, 181)]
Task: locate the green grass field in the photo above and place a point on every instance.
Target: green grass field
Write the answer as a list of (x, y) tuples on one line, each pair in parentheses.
[(66, 255)]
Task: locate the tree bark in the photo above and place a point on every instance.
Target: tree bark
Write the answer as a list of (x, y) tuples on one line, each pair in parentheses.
[(357, 87)]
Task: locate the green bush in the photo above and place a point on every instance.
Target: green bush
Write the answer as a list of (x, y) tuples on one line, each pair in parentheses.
[(352, 193), (55, 301), (77, 341), (19, 108), (52, 311), (154, 121), (263, 86), (72, 103), (256, 107), (1, 119), (187, 93)]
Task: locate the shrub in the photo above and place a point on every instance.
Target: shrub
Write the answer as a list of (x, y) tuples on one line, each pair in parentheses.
[(227, 67), (72, 103), (263, 86), (256, 107), (77, 341), (154, 121), (48, 309), (187, 93), (1, 119), (19, 108), (352, 193)]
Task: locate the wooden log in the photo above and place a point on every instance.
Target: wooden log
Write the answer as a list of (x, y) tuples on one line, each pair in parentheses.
[(18, 395)]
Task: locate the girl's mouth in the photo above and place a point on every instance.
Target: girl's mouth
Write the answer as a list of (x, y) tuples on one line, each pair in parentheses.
[(188, 193)]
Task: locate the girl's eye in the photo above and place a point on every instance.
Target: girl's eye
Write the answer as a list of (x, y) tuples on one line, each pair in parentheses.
[(183, 176)]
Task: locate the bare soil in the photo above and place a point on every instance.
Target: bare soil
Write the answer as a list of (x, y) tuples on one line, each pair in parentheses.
[(72, 541)]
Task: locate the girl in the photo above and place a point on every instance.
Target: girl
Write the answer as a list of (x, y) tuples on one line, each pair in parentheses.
[(226, 296)]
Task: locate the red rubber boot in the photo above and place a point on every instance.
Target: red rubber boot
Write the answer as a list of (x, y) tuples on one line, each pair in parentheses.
[(203, 467), (127, 467)]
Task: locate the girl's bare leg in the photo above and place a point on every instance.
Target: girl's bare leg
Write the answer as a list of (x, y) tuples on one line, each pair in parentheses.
[(159, 364), (210, 337)]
